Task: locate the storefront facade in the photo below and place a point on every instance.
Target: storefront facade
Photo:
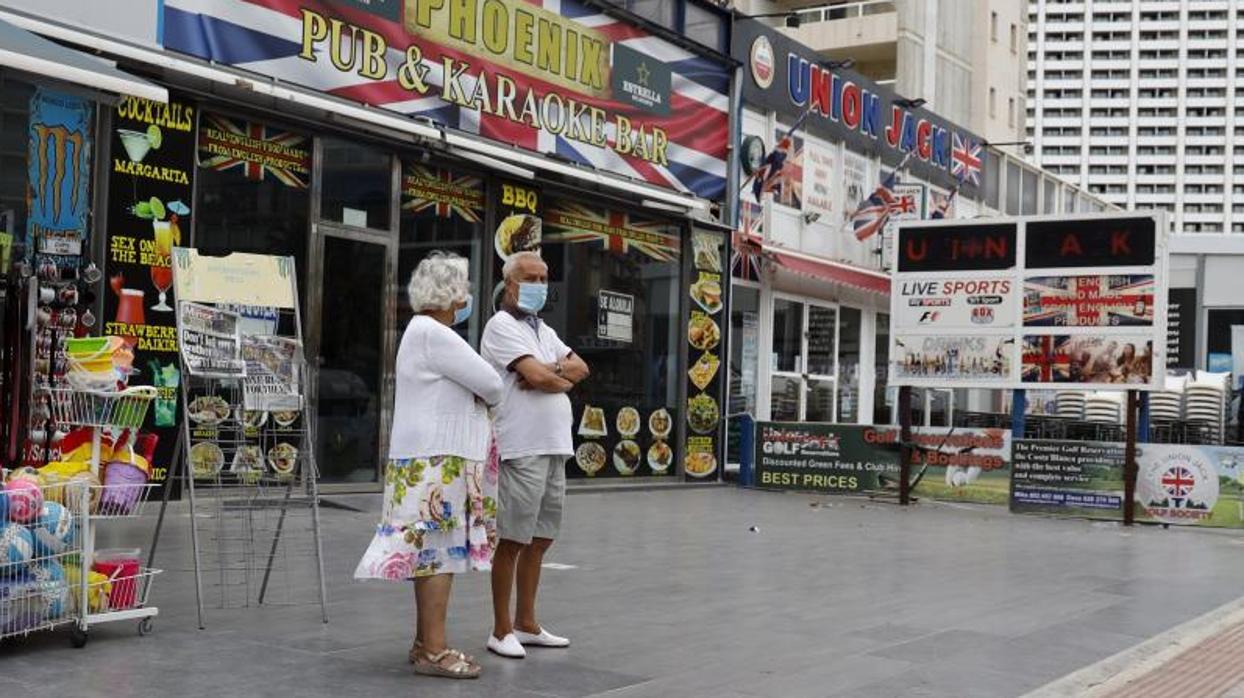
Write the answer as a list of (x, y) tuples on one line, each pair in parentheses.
[(413, 134), (810, 286)]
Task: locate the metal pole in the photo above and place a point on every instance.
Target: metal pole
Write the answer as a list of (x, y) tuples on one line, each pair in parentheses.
[(1019, 411), (747, 450), (165, 490), (276, 541), (1129, 461), (904, 451)]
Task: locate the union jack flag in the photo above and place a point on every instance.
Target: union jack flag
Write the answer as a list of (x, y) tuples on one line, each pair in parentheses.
[(444, 192), (616, 231), (965, 159), (1178, 481), (255, 149), (942, 203), (1046, 359), (872, 214), (745, 253), (782, 171), (1088, 301)]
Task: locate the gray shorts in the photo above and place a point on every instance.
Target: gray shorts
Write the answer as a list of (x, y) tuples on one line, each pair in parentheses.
[(530, 493)]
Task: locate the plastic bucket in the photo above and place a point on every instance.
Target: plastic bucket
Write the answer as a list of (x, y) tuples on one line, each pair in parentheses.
[(121, 567)]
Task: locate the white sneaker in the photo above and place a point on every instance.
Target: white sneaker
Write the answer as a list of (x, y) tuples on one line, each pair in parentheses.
[(508, 646), (543, 639)]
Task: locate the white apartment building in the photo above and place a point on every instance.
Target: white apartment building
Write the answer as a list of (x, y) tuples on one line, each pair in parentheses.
[(965, 58), (1142, 102)]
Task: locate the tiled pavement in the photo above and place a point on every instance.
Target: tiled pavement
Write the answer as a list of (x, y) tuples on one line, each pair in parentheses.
[(672, 594)]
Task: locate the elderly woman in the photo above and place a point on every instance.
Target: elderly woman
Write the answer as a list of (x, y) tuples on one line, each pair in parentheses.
[(439, 498)]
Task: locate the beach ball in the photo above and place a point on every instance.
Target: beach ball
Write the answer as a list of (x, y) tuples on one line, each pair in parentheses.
[(50, 589), (53, 532), (16, 546), (25, 500)]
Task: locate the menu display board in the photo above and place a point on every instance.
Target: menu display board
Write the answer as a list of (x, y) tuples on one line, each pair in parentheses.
[(1030, 301), (830, 458), (1067, 478), (705, 436), (150, 189)]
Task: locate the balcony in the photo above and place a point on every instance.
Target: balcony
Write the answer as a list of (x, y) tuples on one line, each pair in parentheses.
[(866, 31)]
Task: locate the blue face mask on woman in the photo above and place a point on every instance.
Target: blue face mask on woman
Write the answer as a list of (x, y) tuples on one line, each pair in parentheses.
[(463, 314), (531, 297)]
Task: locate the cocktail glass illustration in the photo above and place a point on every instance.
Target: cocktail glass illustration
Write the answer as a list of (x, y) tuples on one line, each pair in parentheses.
[(130, 311), (162, 270), (167, 379), (136, 144)]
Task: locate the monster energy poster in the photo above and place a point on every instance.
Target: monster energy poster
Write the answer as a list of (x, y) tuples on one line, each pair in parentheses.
[(150, 193), (59, 172)]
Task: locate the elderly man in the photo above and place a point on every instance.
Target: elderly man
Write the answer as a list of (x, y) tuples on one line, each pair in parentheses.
[(533, 430)]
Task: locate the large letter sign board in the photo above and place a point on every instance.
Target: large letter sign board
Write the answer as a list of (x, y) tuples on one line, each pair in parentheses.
[(1069, 301)]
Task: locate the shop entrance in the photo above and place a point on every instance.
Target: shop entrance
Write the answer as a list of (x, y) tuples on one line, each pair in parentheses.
[(355, 307), (805, 371)]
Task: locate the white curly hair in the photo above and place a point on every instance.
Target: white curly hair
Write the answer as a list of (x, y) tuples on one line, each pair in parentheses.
[(438, 282)]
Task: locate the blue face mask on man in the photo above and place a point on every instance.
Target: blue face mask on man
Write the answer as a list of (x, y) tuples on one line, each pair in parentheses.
[(531, 297), (463, 314)]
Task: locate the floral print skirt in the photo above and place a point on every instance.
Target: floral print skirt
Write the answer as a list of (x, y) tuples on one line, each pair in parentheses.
[(439, 517)]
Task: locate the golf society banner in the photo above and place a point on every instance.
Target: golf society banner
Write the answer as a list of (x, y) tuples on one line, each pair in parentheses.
[(552, 76)]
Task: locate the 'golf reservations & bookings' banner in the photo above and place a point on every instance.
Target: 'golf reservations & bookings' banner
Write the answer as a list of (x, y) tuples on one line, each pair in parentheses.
[(552, 76)]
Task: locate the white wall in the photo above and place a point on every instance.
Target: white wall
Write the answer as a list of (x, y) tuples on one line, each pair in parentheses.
[(133, 20)]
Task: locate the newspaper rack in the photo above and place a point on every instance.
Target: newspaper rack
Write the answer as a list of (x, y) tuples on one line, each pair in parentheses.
[(246, 456)]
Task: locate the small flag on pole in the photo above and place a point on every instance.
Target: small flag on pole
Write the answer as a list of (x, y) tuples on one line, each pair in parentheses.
[(769, 175), (873, 212)]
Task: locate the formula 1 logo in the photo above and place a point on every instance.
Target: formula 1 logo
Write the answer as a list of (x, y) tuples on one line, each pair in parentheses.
[(929, 317)]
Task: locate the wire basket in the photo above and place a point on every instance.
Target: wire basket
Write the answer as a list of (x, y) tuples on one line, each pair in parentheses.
[(35, 558), (126, 409)]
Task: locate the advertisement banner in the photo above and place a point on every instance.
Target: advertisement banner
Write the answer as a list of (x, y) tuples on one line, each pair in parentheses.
[(962, 464), (820, 170), (58, 166), (981, 303), (829, 458), (255, 149), (857, 181), (557, 77), (1067, 478), (150, 185), (1091, 316), (240, 278), (911, 203), (946, 360), (1190, 485), (1109, 359), (1089, 301)]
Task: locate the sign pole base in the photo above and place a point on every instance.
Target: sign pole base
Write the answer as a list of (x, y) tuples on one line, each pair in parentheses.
[(904, 457), (1129, 461)]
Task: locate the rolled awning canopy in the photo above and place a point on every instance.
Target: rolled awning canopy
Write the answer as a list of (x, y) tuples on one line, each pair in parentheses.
[(29, 52), (822, 269)]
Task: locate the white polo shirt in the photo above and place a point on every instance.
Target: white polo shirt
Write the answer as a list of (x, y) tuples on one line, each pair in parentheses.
[(528, 422)]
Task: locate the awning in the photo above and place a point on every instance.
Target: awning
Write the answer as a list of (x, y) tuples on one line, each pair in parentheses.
[(826, 270), (29, 52)]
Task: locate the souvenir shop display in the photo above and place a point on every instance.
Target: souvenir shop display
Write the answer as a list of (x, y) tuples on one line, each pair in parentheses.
[(50, 570)]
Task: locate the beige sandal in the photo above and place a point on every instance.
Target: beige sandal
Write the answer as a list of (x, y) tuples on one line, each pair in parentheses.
[(413, 656), (460, 668)]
